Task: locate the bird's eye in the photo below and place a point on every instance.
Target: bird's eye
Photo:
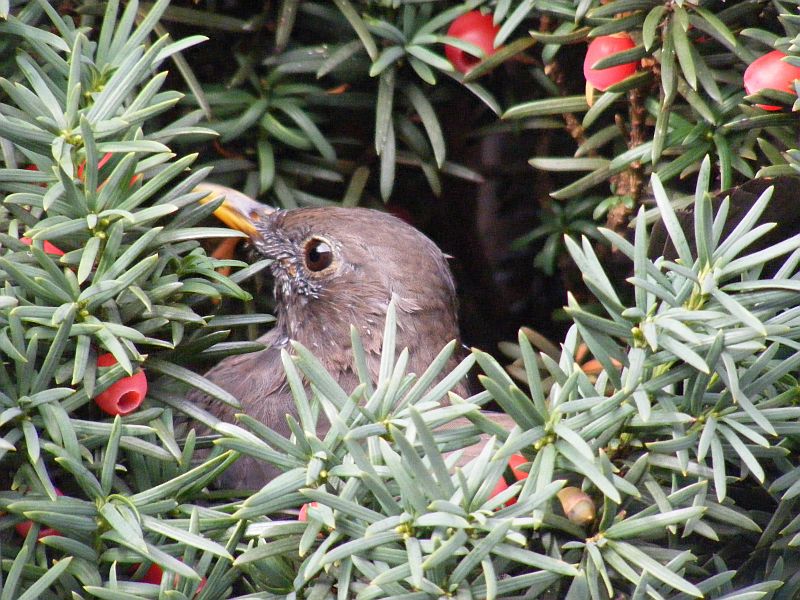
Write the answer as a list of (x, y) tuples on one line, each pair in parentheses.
[(318, 254)]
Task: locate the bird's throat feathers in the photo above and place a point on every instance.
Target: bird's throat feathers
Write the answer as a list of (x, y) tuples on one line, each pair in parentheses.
[(323, 324), (324, 327)]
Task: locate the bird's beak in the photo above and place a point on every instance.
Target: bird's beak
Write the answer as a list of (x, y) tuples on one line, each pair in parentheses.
[(238, 211)]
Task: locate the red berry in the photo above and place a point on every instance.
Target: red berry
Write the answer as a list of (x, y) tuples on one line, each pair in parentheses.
[(201, 586), (514, 461), (124, 395), (100, 164), (47, 246), (473, 27), (23, 528), (154, 573), (500, 487), (303, 515), (603, 47), (770, 72)]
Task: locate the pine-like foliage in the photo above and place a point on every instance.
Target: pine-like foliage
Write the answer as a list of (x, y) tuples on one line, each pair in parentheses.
[(84, 175), (672, 474)]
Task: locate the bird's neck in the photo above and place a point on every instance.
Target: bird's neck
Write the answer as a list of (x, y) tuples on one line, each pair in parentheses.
[(325, 329)]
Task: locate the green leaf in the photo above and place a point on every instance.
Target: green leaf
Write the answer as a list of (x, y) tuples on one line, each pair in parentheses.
[(88, 257), (43, 583), (479, 552), (359, 546), (268, 549), (684, 54), (383, 109), (121, 519), (669, 75), (650, 25), (550, 106), (744, 453), (571, 35), (639, 558), (206, 470), (589, 469), (568, 164), (534, 559), (358, 25), (16, 27), (497, 58), (388, 57), (197, 381), (512, 21), (57, 347), (308, 127), (671, 222), (640, 527), (429, 120), (430, 58), (200, 542), (131, 71), (717, 25), (388, 162)]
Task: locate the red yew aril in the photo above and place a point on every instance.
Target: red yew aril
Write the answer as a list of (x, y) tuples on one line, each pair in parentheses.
[(602, 47), (770, 72), (303, 515), (154, 573), (46, 246), (514, 461), (500, 487), (124, 395), (473, 27), (100, 164), (34, 168), (23, 528)]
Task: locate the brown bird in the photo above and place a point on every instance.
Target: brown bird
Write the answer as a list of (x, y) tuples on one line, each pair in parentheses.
[(332, 267)]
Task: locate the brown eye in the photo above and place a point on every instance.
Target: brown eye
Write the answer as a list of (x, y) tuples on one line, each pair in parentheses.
[(318, 254)]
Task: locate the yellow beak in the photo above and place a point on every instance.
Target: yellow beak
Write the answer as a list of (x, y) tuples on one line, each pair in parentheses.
[(238, 211)]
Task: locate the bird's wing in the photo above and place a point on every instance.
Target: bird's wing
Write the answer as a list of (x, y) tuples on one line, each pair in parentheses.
[(257, 380)]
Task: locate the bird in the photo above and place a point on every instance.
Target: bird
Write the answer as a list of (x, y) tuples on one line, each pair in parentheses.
[(333, 267)]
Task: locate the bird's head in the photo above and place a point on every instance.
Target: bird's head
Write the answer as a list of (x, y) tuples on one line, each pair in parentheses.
[(335, 266)]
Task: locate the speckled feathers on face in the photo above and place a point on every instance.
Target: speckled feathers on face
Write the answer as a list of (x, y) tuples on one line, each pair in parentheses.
[(375, 256)]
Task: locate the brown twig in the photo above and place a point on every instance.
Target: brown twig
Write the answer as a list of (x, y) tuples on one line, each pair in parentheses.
[(571, 123), (631, 181)]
